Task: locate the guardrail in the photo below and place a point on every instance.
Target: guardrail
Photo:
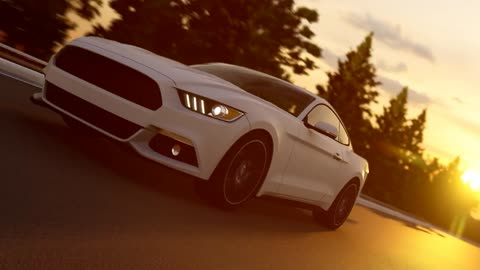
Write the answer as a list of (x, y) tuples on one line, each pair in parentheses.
[(21, 58), (21, 66)]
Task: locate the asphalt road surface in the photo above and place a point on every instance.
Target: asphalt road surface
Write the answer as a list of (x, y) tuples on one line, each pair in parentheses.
[(74, 202)]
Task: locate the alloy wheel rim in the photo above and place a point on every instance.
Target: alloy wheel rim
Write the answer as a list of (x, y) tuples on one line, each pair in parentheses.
[(245, 172), (345, 205)]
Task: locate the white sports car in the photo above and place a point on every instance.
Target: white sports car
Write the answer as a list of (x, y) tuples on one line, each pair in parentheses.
[(242, 133)]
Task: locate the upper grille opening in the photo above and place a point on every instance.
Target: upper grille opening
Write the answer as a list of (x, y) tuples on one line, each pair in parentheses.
[(110, 75)]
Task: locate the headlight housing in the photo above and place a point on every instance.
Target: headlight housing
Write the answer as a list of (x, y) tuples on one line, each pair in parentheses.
[(208, 107)]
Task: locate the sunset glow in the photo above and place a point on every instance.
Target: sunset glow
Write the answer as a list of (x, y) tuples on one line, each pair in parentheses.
[(439, 67), (472, 178)]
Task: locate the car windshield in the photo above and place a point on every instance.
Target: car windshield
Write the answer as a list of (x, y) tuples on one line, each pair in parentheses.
[(280, 93)]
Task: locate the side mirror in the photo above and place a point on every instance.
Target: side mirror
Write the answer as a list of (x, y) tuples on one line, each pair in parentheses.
[(327, 129)]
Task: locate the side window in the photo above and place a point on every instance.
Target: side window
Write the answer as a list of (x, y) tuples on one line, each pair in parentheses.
[(322, 113), (342, 135), (325, 114)]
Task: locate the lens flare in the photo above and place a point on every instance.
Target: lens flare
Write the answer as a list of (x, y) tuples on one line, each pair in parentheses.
[(472, 178)]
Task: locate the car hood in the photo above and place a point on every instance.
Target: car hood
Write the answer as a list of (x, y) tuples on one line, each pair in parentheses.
[(181, 74)]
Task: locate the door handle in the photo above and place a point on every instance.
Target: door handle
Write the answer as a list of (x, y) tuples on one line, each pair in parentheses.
[(336, 156)]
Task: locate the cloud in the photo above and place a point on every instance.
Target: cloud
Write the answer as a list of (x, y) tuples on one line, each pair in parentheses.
[(451, 102), (417, 97), (458, 100), (390, 35), (393, 87), (330, 58), (389, 85), (396, 68), (466, 124)]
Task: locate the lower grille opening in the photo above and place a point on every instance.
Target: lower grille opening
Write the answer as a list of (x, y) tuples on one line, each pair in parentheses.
[(174, 149), (94, 115)]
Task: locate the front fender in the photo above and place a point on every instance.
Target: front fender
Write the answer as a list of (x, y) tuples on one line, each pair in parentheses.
[(279, 129)]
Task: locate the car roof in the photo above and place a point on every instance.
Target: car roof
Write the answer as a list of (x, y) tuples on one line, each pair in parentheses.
[(254, 73)]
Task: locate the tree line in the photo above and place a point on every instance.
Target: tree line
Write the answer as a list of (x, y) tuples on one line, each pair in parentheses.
[(400, 173), (275, 37)]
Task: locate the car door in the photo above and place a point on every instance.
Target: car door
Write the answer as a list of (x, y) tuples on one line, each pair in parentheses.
[(314, 168)]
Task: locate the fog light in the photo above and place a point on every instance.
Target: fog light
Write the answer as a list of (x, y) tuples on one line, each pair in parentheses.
[(176, 150)]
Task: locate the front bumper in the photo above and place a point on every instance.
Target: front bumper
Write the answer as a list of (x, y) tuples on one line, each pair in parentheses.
[(210, 138)]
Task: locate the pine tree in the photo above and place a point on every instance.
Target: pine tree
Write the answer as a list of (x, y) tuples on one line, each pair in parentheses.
[(351, 91), (415, 133), (396, 154), (392, 123), (37, 27), (399, 136), (266, 35), (448, 190), (153, 25)]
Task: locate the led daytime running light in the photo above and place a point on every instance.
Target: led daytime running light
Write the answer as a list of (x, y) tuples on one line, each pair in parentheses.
[(209, 107)]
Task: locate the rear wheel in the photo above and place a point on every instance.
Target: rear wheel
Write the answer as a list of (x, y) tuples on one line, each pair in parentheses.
[(340, 209), (240, 173)]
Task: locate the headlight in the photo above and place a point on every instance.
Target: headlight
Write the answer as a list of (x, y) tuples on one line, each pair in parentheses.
[(208, 107)]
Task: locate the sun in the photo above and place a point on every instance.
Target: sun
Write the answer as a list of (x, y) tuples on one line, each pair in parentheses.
[(472, 178)]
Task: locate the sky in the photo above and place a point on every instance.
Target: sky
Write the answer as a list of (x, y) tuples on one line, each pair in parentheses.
[(430, 46)]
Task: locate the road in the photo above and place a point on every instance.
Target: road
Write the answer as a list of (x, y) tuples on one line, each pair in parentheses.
[(73, 202)]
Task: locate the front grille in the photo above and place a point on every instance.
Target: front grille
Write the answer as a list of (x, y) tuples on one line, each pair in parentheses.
[(110, 75), (163, 145), (94, 115)]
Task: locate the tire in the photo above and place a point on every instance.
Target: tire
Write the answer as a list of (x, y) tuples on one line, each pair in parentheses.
[(339, 211), (240, 173)]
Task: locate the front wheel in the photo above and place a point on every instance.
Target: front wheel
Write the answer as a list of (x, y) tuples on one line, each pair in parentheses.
[(340, 209), (240, 173)]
